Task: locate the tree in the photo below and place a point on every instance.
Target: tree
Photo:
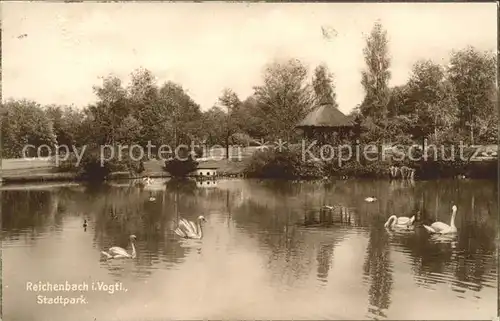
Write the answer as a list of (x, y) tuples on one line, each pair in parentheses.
[(324, 88), (67, 122), (432, 100), (128, 132), (472, 75), (486, 120), (250, 119), (110, 110), (285, 98), (145, 107), (399, 101), (211, 122), (375, 78), (24, 122), (230, 101), (183, 115), (166, 114)]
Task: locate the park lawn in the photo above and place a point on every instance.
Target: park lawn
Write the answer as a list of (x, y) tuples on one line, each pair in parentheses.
[(153, 168)]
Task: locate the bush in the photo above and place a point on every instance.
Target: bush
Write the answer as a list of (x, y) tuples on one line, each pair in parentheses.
[(359, 169), (483, 170), (90, 167), (439, 165), (286, 164), (180, 168)]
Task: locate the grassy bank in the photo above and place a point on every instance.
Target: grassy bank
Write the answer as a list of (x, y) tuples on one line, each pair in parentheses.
[(269, 164), (29, 171)]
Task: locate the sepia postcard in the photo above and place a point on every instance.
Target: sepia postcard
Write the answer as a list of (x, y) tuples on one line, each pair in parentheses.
[(249, 161)]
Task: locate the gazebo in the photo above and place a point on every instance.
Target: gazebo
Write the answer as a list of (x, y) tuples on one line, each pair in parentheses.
[(328, 124)]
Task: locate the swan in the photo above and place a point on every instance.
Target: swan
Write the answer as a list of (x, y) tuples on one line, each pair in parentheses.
[(189, 230), (399, 222), (118, 253), (443, 228), (370, 199), (147, 180), (329, 207), (152, 199)]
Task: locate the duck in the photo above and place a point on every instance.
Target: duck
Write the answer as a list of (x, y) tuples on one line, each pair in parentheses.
[(443, 228), (84, 223)]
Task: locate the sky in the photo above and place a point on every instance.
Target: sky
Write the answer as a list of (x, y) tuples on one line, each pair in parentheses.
[(54, 53)]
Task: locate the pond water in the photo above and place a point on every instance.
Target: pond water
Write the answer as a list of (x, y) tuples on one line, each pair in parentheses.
[(268, 251)]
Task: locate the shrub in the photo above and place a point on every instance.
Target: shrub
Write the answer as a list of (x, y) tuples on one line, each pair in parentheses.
[(483, 170), (180, 168), (90, 167), (283, 164), (439, 165)]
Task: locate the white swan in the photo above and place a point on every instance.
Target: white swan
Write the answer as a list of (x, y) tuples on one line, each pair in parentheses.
[(329, 207), (189, 230), (370, 199), (443, 228), (399, 222), (147, 180), (119, 253)]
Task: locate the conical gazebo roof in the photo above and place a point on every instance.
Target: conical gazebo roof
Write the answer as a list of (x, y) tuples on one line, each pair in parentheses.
[(326, 116)]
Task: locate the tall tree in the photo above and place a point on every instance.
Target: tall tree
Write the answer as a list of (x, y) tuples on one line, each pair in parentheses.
[(432, 100), (472, 74), (285, 98), (399, 101), (375, 78), (67, 122), (111, 108), (183, 113), (250, 119), (230, 101), (143, 96), (214, 133), (324, 87)]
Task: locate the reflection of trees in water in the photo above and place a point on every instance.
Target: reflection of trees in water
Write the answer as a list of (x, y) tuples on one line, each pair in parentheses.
[(276, 220), (183, 186), (115, 213), (290, 255), (324, 259), (269, 211), (121, 213), (378, 271), (30, 213), (472, 260), (325, 217)]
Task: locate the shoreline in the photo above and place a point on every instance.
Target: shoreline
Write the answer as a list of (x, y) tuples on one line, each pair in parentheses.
[(120, 176), (225, 169)]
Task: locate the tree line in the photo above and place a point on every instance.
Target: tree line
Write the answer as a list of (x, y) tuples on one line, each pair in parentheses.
[(441, 103)]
